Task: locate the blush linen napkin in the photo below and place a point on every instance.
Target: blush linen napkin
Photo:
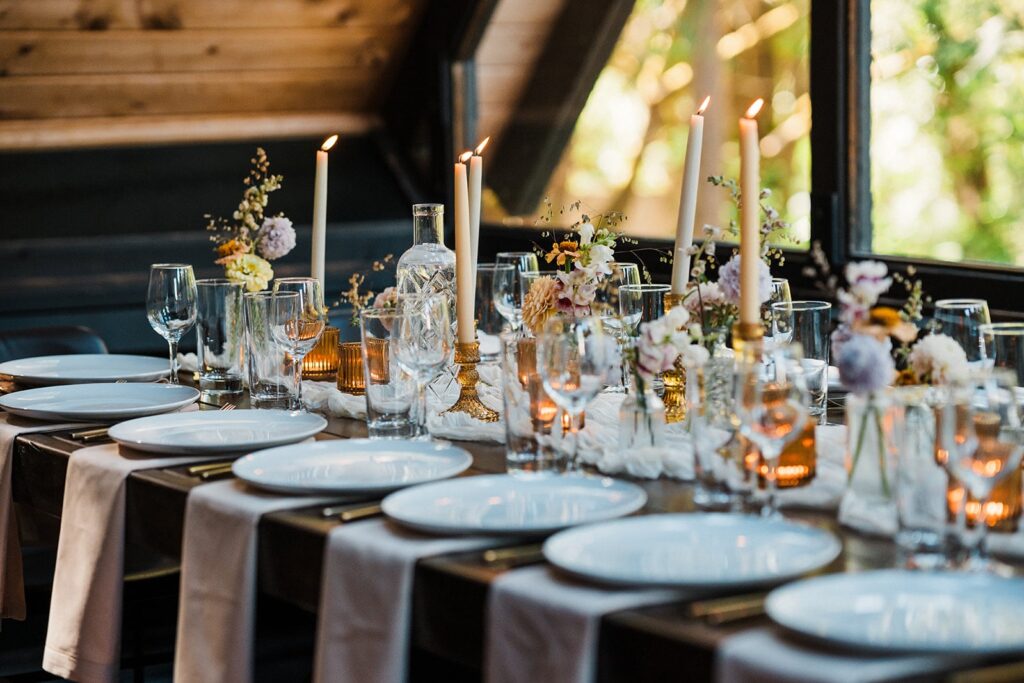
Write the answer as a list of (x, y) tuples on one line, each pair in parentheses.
[(766, 655), (544, 627), (217, 609), (83, 639), (12, 585), (366, 599)]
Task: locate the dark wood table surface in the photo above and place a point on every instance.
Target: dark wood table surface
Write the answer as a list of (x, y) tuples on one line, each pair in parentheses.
[(650, 644)]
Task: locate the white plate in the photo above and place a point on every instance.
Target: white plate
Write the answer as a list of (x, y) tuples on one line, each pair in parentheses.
[(85, 368), (503, 504), (902, 611), (103, 402), (352, 466), (217, 431), (692, 551)]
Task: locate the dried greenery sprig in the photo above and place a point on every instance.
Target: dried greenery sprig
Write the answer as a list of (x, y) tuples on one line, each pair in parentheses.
[(358, 298)]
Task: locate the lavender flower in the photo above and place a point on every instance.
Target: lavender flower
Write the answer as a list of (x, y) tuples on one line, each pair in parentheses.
[(865, 364), (277, 237), (729, 280)]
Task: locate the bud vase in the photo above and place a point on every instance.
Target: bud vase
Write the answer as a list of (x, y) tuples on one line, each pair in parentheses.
[(641, 417), (869, 502)]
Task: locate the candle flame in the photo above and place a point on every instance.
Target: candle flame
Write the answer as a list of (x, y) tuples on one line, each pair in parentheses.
[(480, 147), (754, 109), (704, 105), (329, 142), (464, 157)]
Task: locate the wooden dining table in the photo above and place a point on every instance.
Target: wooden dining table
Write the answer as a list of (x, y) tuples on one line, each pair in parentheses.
[(665, 642)]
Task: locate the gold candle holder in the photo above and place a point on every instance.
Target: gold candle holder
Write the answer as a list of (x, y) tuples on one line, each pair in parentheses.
[(674, 379), (748, 341), (1002, 511), (323, 360), (350, 368), (797, 462), (467, 356)]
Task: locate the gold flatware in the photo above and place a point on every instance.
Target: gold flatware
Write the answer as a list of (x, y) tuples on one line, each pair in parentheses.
[(215, 472), (997, 673), (718, 611), (362, 512), (514, 556), (89, 434), (220, 464)]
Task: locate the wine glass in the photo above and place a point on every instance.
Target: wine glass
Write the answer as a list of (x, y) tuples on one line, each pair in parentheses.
[(781, 294), (574, 355), (425, 345), (503, 292), (772, 407), (962, 319), (981, 441), (297, 319), (641, 303), (171, 305), (524, 262)]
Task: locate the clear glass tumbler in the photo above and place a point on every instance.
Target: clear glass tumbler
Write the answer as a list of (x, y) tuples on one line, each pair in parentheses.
[(495, 285), (220, 335), (529, 411), (1003, 346), (640, 304), (808, 323), (390, 390), (269, 378)]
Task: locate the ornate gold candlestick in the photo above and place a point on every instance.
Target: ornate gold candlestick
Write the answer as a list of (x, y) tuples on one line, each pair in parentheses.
[(467, 356), (675, 379)]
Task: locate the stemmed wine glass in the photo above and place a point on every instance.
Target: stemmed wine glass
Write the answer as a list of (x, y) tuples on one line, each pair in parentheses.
[(524, 262), (981, 441), (297, 319), (772, 407), (171, 305), (425, 345), (574, 356)]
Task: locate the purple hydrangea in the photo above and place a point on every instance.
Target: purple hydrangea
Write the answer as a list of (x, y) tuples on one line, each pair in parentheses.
[(865, 364), (277, 238), (729, 280)]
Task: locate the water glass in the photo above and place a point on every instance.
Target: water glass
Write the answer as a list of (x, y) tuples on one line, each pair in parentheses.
[(495, 303), (390, 390), (780, 294), (270, 382), (606, 299), (807, 323), (220, 334), (425, 345), (921, 482), (171, 305), (1003, 346), (962, 319), (722, 474), (523, 262), (529, 411), (641, 303)]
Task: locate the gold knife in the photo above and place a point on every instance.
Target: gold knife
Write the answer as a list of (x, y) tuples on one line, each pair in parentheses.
[(719, 611)]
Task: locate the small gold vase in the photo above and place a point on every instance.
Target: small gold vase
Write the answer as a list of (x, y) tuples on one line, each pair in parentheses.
[(322, 362), (674, 380)]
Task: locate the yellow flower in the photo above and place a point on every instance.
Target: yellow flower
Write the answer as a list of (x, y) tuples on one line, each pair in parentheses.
[(562, 251), (539, 302), (251, 271), (230, 251)]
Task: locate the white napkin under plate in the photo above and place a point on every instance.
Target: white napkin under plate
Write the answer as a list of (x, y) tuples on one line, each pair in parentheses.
[(83, 639), (217, 610), (765, 655), (12, 584), (366, 599), (543, 627)]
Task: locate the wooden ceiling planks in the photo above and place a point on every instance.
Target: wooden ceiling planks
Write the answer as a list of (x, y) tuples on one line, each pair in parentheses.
[(135, 64)]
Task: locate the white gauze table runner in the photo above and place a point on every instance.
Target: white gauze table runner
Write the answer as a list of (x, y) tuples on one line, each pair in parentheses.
[(217, 610), (765, 655), (544, 627), (366, 599), (83, 639), (12, 584)]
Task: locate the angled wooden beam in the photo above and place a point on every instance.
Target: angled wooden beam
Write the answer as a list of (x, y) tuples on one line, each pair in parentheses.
[(577, 50)]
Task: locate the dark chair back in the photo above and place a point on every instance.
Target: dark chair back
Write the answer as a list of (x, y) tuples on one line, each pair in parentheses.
[(49, 341)]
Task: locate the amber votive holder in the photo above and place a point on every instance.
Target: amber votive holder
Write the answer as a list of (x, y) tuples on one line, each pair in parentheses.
[(1002, 511), (322, 361), (350, 368), (797, 463)]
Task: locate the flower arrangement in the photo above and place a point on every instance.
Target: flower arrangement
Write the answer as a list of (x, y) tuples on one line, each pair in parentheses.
[(582, 258), (246, 244), (359, 299), (716, 303)]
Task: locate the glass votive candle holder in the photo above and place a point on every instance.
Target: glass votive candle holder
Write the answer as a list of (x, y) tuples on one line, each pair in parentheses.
[(322, 361), (350, 368)]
